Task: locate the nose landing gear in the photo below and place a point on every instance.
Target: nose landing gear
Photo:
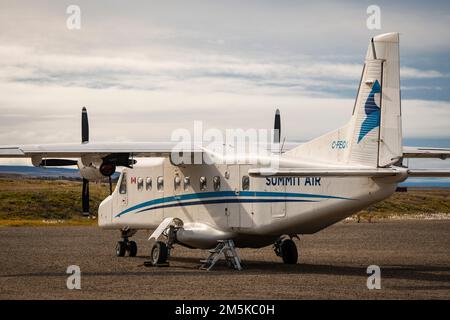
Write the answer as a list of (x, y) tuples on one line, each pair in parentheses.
[(125, 246), (287, 250)]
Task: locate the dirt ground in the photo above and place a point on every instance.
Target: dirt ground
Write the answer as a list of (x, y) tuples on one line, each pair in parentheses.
[(414, 257)]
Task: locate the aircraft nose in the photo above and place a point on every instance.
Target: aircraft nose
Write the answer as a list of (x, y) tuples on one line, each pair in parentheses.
[(105, 212)]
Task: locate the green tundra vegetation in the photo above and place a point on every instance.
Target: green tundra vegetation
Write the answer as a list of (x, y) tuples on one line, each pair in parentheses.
[(35, 201), (56, 202)]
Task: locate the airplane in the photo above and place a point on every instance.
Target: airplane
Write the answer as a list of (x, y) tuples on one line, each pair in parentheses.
[(252, 203)]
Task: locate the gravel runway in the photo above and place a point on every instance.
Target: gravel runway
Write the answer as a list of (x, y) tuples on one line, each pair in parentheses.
[(414, 257)]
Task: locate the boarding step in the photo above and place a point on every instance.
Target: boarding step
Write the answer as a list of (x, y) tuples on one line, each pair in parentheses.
[(228, 250)]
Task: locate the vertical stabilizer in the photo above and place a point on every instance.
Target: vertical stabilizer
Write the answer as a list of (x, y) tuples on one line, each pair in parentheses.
[(373, 136), (377, 132)]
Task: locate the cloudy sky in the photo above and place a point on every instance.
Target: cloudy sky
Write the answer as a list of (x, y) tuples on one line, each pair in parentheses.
[(145, 68)]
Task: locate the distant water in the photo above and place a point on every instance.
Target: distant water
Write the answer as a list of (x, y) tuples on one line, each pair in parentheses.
[(39, 172)]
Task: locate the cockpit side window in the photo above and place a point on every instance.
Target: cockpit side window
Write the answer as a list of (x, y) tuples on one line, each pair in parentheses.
[(123, 184)]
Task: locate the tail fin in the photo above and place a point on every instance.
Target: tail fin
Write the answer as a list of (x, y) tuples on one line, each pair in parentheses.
[(377, 132), (373, 137)]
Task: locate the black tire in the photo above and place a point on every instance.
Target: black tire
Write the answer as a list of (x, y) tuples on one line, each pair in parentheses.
[(289, 252), (132, 249), (159, 253), (121, 248)]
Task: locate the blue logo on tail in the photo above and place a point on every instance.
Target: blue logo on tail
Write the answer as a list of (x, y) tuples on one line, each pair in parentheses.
[(372, 119)]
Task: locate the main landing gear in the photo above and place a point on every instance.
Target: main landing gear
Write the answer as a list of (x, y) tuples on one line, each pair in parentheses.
[(160, 252), (287, 250), (125, 246)]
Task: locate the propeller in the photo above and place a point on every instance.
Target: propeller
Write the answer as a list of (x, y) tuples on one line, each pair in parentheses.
[(84, 126), (85, 197), (85, 139), (57, 163), (107, 168), (277, 127)]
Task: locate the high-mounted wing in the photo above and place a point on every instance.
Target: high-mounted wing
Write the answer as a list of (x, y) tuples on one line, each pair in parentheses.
[(98, 160), (76, 150)]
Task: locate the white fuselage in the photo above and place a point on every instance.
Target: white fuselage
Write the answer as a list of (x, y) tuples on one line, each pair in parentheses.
[(226, 207)]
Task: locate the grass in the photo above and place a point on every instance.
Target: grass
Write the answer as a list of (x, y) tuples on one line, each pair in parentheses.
[(414, 203), (46, 202), (26, 202), (47, 222)]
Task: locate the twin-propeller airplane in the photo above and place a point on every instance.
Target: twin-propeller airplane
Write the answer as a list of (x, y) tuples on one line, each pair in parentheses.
[(242, 204)]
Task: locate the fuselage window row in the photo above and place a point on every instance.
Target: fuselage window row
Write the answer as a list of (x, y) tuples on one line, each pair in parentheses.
[(203, 183)]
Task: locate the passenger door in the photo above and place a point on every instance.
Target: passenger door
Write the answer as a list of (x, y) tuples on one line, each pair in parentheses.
[(122, 196), (279, 204), (245, 208), (232, 207)]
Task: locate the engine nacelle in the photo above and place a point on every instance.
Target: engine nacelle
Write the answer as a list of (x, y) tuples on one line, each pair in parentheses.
[(95, 169)]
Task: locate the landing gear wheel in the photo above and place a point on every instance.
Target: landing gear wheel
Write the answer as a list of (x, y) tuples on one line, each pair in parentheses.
[(121, 248), (159, 253), (132, 249), (288, 251)]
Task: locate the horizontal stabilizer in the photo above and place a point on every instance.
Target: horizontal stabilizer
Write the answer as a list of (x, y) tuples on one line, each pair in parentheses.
[(429, 173), (424, 152)]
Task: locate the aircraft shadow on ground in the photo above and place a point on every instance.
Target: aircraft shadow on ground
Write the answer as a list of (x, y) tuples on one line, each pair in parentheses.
[(438, 274)]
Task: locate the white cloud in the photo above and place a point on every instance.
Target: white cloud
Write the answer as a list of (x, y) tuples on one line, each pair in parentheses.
[(151, 67), (412, 73)]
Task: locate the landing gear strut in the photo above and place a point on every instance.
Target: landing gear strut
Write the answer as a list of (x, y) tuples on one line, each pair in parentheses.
[(160, 252), (287, 250), (125, 246)]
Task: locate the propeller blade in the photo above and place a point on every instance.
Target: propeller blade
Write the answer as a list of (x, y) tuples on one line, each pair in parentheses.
[(85, 197), (57, 163), (110, 185), (277, 127), (84, 126)]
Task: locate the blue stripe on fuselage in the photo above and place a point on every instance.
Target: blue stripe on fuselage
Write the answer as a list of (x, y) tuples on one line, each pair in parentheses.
[(203, 195), (219, 201)]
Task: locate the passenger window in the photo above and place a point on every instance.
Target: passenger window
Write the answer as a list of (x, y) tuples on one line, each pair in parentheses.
[(216, 183), (176, 182), (123, 184), (140, 184), (148, 184), (186, 183), (245, 183), (202, 183), (160, 183)]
